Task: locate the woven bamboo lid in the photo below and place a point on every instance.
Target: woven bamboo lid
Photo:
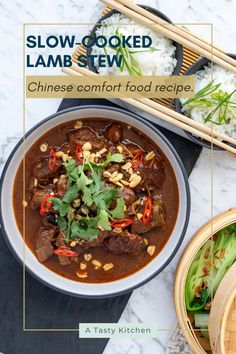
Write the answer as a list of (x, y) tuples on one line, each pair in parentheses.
[(198, 344), (222, 323)]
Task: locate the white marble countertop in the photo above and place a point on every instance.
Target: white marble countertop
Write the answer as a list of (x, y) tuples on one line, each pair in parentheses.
[(153, 302)]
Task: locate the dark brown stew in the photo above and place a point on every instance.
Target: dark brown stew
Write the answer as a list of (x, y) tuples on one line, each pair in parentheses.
[(101, 200)]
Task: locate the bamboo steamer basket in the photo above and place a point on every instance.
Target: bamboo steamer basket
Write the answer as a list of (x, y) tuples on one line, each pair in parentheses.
[(222, 322), (198, 344)]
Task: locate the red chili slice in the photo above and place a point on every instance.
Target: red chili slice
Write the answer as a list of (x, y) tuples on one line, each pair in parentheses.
[(137, 159), (65, 251), (78, 151), (147, 210), (46, 205), (121, 223), (52, 159)]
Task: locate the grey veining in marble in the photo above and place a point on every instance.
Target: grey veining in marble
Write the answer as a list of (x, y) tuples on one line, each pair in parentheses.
[(153, 302)]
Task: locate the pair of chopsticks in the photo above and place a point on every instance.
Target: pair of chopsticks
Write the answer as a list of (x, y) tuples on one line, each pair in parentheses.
[(178, 34), (167, 114)]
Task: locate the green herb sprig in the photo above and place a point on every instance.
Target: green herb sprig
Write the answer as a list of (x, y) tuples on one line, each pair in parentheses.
[(95, 195), (211, 96), (127, 58)]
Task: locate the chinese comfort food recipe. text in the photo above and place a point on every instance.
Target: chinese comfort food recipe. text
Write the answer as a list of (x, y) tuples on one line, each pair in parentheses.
[(101, 200)]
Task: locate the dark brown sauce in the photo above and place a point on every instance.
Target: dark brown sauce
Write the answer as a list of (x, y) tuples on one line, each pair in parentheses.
[(124, 264)]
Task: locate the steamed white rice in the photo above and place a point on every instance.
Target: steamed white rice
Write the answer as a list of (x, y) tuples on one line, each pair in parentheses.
[(161, 62), (228, 84)]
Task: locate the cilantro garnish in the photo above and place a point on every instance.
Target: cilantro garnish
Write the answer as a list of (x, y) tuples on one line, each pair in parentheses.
[(95, 195)]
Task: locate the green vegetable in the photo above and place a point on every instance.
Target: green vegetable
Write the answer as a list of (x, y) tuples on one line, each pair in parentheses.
[(195, 279), (103, 220), (201, 320), (208, 268), (85, 229), (95, 196), (211, 96), (71, 194), (118, 212), (113, 158)]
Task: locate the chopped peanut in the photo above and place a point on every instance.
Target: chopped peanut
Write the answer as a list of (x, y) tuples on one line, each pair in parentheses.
[(133, 176), (78, 124), (120, 185), (55, 180), (66, 157), (59, 153), (76, 203), (120, 149), (83, 266), (86, 153), (126, 166), (87, 146), (117, 230), (108, 266), (151, 250), (106, 174), (85, 210), (73, 243), (96, 263), (81, 274), (150, 156), (91, 157), (139, 216), (117, 178), (131, 171), (44, 147), (87, 257), (114, 174), (125, 207), (102, 151), (135, 182), (125, 183), (145, 241)]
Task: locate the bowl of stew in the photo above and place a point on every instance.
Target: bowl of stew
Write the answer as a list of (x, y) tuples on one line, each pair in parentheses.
[(100, 198)]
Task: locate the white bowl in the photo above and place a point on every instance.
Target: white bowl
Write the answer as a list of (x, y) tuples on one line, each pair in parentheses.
[(24, 254)]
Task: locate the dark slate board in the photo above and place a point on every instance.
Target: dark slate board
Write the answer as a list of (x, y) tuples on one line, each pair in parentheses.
[(45, 308)]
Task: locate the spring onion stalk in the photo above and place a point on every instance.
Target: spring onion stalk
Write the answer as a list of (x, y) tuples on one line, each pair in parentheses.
[(223, 109)]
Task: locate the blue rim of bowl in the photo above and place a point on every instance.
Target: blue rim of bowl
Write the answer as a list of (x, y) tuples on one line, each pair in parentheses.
[(197, 66), (179, 47), (187, 190)]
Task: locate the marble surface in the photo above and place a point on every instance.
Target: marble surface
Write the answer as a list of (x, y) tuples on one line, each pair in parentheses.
[(153, 302)]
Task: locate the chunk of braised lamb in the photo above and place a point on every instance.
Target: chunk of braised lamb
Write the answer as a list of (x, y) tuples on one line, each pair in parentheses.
[(48, 219), (40, 194), (157, 219), (152, 173), (42, 173), (60, 242), (81, 136), (113, 167), (62, 186), (124, 242), (114, 132), (84, 245), (128, 194), (44, 238)]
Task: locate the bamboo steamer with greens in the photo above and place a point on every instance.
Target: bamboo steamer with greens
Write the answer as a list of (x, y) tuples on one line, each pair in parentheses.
[(204, 264), (222, 321)]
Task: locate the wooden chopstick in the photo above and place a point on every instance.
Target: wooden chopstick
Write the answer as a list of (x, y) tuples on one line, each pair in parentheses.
[(165, 114), (170, 33), (179, 30), (186, 120)]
